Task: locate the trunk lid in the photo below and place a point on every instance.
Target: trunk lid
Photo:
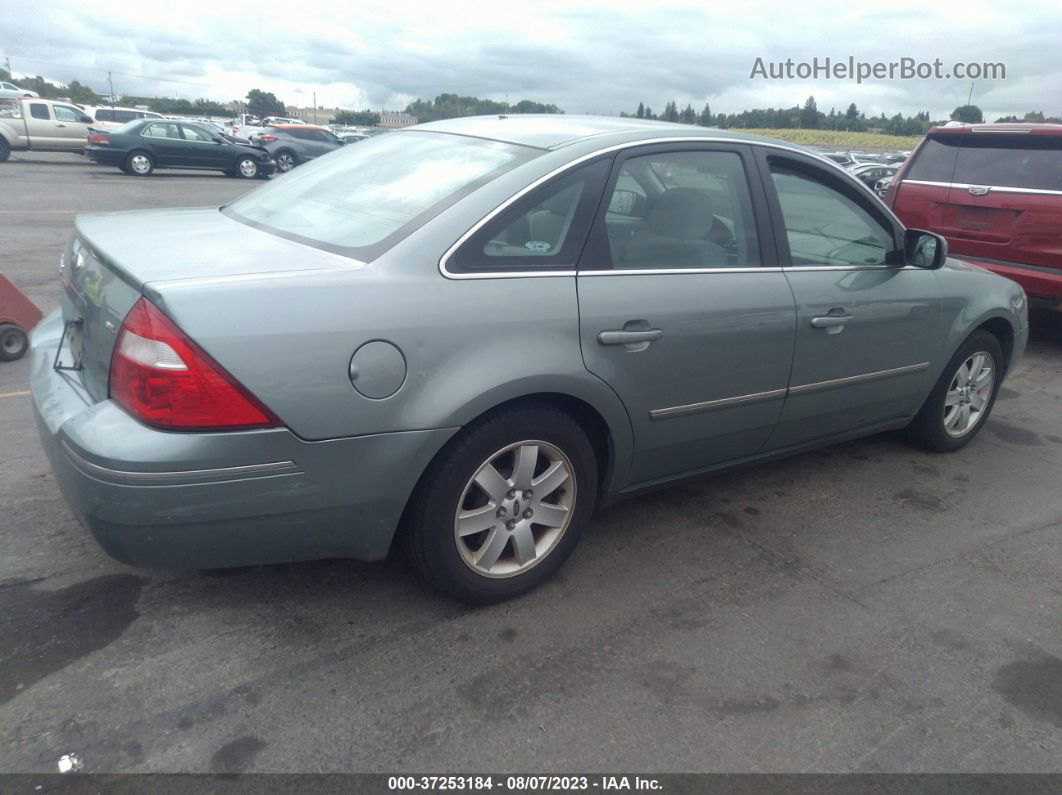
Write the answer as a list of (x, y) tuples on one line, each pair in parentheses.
[(113, 255)]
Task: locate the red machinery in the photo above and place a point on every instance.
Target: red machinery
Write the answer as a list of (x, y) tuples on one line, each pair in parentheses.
[(18, 315)]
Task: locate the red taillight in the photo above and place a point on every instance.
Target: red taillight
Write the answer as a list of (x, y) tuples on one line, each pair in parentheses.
[(96, 138), (165, 380), (265, 137)]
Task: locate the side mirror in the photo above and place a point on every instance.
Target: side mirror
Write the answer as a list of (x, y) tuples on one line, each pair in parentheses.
[(87, 120), (924, 249)]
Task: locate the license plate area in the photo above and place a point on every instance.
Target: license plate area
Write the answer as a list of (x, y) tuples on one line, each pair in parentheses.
[(68, 354)]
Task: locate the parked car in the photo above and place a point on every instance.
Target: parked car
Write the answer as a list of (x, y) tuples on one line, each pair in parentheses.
[(272, 121), (352, 137), (110, 117), (477, 329), (995, 192), (293, 144), (840, 158), (41, 124), (881, 187), (141, 146), (870, 173), (11, 91)]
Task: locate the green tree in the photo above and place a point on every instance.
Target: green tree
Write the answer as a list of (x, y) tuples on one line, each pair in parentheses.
[(649, 113), (809, 116), (264, 103), (706, 119), (640, 113), (364, 118), (671, 112), (688, 115), (970, 114), (450, 106), (852, 112)]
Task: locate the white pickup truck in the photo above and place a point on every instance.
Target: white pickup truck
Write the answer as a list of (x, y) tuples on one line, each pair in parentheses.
[(41, 124)]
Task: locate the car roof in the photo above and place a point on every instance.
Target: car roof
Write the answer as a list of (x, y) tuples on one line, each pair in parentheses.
[(999, 127), (298, 127), (552, 131)]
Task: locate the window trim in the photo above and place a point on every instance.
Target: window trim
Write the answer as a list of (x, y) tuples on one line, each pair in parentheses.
[(598, 240), (758, 149), (848, 186)]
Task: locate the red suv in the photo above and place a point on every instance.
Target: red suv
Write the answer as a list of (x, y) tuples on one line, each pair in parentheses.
[(995, 192)]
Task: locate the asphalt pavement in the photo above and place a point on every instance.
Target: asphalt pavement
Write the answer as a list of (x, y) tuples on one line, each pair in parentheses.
[(866, 607)]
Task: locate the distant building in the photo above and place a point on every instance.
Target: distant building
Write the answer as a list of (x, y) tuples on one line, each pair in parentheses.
[(307, 114), (394, 118)]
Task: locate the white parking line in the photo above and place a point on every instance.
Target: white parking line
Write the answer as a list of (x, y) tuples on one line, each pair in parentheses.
[(25, 212), (14, 394)]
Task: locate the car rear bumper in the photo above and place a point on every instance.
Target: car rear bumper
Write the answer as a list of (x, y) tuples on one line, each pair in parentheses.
[(105, 155), (1043, 285), (209, 500)]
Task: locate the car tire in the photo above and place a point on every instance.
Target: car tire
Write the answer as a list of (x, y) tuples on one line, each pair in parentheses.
[(5, 149), (286, 160), (13, 343), (958, 408), (527, 447), (246, 168), (139, 163)]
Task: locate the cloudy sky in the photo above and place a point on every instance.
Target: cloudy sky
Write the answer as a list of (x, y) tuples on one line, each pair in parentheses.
[(586, 56)]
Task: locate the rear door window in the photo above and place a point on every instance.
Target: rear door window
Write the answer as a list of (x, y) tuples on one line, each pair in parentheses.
[(39, 111), (104, 114), (162, 130), (935, 161), (1012, 160), (544, 231)]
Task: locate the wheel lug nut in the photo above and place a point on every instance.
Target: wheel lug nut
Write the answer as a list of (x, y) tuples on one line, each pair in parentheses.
[(511, 494), (500, 513), (528, 494), (510, 524), (528, 514)]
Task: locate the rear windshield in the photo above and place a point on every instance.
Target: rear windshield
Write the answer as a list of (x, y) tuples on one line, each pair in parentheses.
[(361, 200), (1012, 160)]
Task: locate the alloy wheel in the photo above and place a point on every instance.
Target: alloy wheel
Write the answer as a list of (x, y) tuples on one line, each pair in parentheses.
[(285, 162), (969, 394), (248, 168), (515, 508)]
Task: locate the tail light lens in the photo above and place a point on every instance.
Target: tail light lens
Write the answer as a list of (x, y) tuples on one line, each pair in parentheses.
[(165, 380), (96, 138), (266, 138)]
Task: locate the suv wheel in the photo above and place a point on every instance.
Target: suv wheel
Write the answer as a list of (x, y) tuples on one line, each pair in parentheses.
[(962, 398), (503, 506), (286, 160), (5, 149)]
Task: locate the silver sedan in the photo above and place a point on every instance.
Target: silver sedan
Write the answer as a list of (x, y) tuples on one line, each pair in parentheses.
[(465, 335)]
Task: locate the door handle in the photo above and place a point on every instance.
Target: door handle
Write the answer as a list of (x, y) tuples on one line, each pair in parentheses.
[(629, 337), (59, 125), (830, 321)]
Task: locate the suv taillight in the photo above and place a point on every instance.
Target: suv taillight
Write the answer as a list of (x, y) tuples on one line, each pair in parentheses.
[(165, 380)]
